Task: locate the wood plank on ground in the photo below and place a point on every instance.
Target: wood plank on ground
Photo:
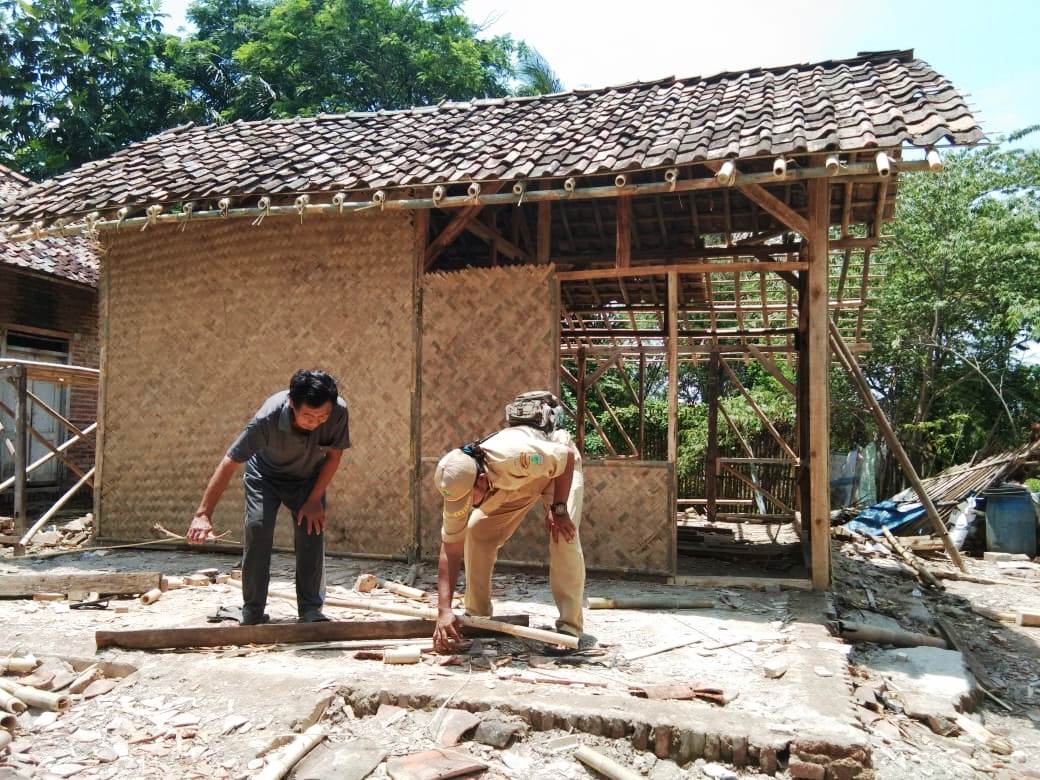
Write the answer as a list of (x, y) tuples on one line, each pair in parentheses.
[(112, 583), (279, 633)]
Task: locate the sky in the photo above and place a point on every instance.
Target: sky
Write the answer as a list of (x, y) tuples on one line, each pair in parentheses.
[(988, 50)]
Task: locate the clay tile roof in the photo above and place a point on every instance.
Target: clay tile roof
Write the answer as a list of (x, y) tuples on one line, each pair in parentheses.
[(881, 99), (68, 258)]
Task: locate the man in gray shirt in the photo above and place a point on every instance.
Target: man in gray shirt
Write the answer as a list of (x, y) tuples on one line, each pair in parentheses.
[(291, 448)]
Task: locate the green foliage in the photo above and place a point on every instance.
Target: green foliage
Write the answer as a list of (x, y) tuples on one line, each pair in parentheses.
[(959, 303), (80, 79)]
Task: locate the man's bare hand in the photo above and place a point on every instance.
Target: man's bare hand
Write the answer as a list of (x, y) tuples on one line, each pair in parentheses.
[(446, 635), (312, 513), (560, 525), (200, 529)]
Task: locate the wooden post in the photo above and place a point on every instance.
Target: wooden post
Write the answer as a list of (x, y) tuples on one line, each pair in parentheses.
[(673, 365), (421, 228), (543, 248), (623, 252), (848, 361), (818, 412), (711, 461), (21, 448), (580, 405), (642, 405)]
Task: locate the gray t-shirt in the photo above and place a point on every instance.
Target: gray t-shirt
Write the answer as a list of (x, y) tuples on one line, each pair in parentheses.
[(281, 451)]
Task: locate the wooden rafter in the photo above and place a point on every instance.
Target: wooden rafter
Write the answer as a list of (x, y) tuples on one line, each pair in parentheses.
[(774, 370), (450, 233), (623, 233), (757, 409)]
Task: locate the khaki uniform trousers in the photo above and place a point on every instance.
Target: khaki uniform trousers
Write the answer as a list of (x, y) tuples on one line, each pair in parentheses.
[(497, 518)]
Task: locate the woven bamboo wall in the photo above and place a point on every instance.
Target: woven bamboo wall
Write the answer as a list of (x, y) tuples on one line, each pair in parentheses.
[(487, 335), (627, 521), (204, 324)]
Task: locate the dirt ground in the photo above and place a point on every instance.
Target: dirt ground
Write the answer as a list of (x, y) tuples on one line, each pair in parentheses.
[(221, 712)]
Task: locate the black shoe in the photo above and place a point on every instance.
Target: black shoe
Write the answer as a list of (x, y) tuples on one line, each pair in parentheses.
[(250, 620), (313, 616)]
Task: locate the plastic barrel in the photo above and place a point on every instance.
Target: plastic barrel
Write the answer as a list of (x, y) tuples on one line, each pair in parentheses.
[(1010, 520)]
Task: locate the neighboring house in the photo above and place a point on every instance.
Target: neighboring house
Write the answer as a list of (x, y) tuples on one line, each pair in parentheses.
[(48, 313)]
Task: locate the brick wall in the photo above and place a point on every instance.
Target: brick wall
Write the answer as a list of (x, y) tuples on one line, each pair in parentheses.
[(34, 301)]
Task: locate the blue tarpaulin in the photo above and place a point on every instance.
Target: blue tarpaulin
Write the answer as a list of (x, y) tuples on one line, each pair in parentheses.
[(886, 514)]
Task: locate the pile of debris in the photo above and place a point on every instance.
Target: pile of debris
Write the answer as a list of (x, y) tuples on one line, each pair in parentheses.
[(71, 535)]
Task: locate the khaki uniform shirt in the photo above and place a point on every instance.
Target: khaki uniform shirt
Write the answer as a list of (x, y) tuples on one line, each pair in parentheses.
[(520, 461)]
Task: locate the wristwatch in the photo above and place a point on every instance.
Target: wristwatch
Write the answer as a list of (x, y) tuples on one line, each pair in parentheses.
[(559, 508)]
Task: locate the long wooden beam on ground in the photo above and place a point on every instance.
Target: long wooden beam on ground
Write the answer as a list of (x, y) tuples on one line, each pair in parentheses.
[(280, 633), (851, 366), (106, 583)]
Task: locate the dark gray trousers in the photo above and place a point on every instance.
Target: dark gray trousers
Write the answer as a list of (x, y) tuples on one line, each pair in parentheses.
[(264, 496)]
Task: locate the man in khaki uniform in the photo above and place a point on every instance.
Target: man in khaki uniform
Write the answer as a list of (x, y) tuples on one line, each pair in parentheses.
[(488, 488)]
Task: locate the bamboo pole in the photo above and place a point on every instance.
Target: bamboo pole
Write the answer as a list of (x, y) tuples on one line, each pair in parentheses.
[(281, 764), (850, 171), (54, 509), (44, 700), (605, 766), (848, 361), (19, 664), (49, 456), (923, 571)]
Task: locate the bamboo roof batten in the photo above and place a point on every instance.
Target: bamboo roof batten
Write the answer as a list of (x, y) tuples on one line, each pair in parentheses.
[(571, 191)]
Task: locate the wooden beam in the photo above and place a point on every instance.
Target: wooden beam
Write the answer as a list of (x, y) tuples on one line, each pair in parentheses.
[(623, 241), (497, 241), (682, 268), (611, 359), (450, 233), (580, 402), (673, 366), (758, 410), (40, 437), (280, 633), (106, 583), (544, 237), (17, 378), (774, 370), (421, 237), (53, 412), (642, 404), (776, 208), (617, 422), (757, 488), (711, 468), (49, 456), (849, 363), (818, 412)]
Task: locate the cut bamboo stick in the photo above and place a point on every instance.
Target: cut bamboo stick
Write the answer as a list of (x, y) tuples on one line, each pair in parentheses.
[(607, 767), (11, 703), (281, 764), (402, 655), (8, 722), (368, 582), (54, 702), (151, 596), (1024, 618), (19, 664), (5, 740)]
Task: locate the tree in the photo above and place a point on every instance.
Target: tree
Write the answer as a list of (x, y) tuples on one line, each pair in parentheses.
[(80, 79), (536, 75), (958, 305), (303, 57)]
